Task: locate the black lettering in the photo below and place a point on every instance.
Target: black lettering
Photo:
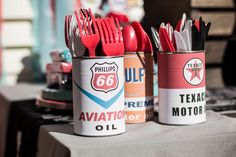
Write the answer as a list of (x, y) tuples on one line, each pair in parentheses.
[(139, 103), (99, 127), (148, 103), (193, 98), (175, 111), (131, 104), (113, 68), (189, 110), (113, 127), (182, 98), (198, 97), (200, 109), (195, 110), (187, 98), (183, 111)]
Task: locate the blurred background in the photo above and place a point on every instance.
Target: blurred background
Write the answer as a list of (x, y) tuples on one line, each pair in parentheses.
[(30, 29)]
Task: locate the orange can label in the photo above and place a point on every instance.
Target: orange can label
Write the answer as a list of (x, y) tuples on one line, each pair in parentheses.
[(138, 87)]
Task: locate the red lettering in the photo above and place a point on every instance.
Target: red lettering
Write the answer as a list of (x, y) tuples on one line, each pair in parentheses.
[(119, 114), (115, 115), (89, 116), (109, 115), (102, 117), (82, 117)]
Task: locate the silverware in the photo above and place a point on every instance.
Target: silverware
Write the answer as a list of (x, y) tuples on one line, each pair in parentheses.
[(156, 39), (111, 36), (89, 36)]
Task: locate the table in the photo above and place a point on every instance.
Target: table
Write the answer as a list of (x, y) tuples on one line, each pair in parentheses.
[(214, 138), (57, 139), (20, 116), (10, 95)]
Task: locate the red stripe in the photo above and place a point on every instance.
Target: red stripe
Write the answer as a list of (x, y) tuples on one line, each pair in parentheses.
[(171, 70)]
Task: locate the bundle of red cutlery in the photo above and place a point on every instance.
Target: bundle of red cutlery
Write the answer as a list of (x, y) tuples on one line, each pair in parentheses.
[(189, 35), (83, 33)]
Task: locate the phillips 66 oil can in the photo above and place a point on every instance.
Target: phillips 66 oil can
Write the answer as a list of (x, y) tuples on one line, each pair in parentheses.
[(181, 83), (139, 105), (98, 96)]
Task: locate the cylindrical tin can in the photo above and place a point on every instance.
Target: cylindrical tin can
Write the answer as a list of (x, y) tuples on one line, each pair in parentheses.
[(139, 104), (181, 84), (98, 96)]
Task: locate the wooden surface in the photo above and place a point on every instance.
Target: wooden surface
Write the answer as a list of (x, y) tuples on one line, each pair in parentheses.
[(215, 51), (221, 13), (214, 78), (212, 3), (222, 22)]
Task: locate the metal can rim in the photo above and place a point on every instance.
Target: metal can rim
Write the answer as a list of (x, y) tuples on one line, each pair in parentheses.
[(139, 52), (98, 57), (181, 52)]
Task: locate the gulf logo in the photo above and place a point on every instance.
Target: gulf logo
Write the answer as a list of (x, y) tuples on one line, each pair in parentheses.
[(138, 75)]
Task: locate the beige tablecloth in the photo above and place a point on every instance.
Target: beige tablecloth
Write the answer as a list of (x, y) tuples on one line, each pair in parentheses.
[(214, 138)]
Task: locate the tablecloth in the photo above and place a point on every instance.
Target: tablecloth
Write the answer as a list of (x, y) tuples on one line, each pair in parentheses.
[(214, 138), (14, 94), (26, 118)]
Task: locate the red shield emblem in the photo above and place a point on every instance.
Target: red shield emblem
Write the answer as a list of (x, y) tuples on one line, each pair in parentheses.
[(104, 77)]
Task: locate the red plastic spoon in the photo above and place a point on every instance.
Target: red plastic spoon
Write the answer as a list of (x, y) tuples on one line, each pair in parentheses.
[(141, 36), (130, 39)]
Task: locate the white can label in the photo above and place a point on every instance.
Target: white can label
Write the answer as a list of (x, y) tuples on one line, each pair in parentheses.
[(182, 106), (98, 96)]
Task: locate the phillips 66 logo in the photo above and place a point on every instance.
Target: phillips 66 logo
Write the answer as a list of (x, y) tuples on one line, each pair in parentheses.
[(104, 77)]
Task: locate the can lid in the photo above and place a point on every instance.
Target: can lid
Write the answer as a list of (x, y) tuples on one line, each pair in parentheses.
[(181, 52), (139, 52), (98, 57)]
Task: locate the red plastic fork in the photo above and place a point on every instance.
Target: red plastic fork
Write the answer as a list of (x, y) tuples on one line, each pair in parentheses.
[(89, 37), (111, 36)]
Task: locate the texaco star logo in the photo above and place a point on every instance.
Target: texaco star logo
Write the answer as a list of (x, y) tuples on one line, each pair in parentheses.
[(194, 71)]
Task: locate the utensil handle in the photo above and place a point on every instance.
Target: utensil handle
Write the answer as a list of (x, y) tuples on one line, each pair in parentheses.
[(92, 53)]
